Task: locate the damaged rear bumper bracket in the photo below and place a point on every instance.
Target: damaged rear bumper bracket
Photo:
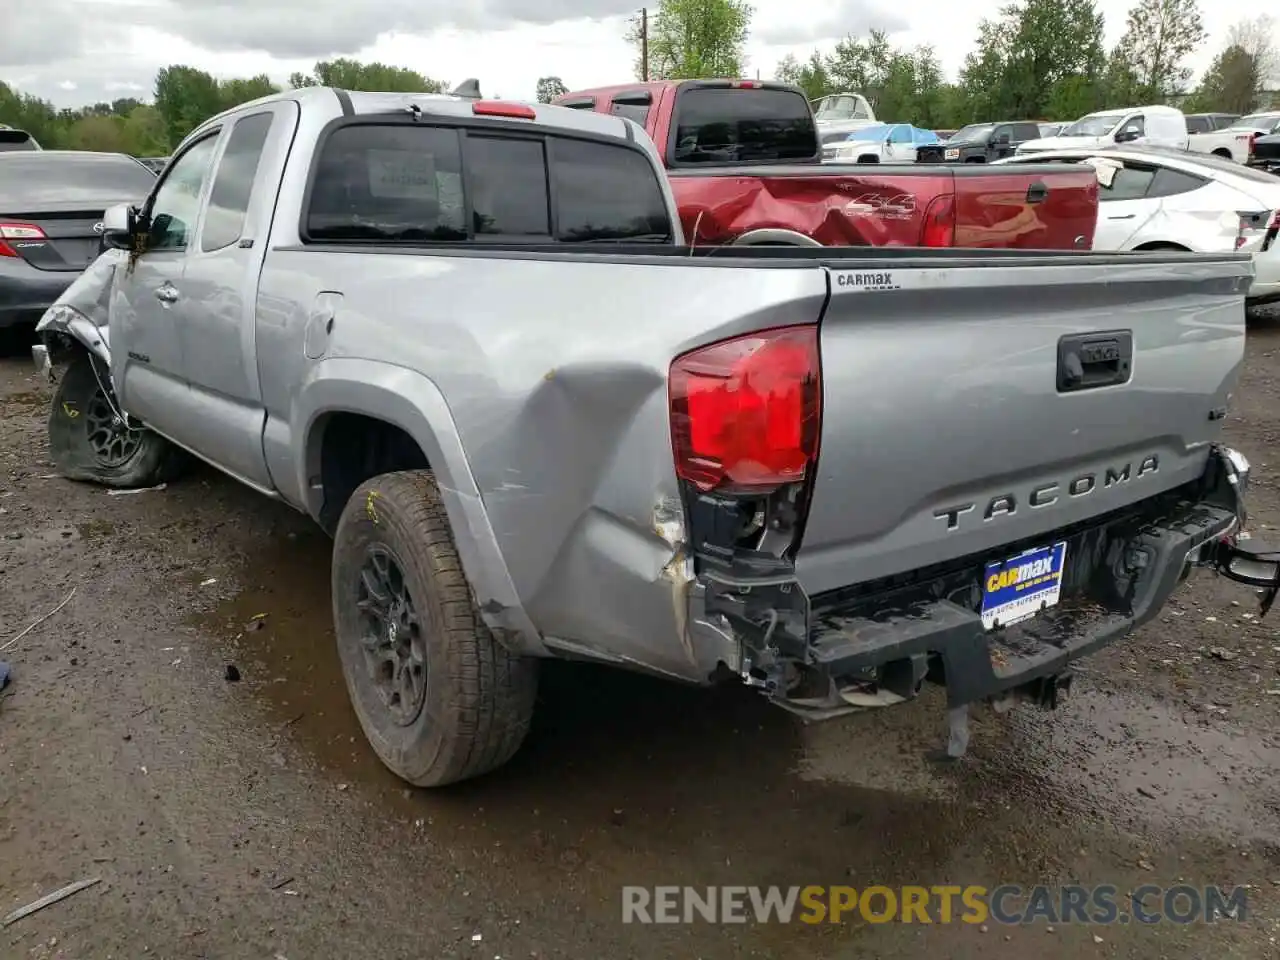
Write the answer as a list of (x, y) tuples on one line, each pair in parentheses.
[(876, 644)]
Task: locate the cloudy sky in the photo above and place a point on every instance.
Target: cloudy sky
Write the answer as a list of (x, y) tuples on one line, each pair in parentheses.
[(80, 51)]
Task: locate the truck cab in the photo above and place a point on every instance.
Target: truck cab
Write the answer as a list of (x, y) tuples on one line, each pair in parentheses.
[(981, 143), (1152, 126)]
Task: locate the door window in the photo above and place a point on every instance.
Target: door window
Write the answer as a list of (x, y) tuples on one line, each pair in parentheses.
[(233, 183), (177, 200), (1134, 126), (1129, 183)]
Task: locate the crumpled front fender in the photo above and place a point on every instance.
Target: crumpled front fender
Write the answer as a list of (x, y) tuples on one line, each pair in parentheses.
[(83, 310)]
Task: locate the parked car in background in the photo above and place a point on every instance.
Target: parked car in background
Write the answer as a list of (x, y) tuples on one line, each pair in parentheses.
[(980, 143), (841, 114), (1155, 199), (51, 207), (155, 164), (1235, 142), (1266, 154), (13, 139), (1208, 122), (879, 143), (469, 343), (1156, 126), (945, 134), (1051, 129), (744, 162)]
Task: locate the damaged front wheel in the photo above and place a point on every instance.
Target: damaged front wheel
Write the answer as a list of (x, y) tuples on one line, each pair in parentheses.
[(90, 438)]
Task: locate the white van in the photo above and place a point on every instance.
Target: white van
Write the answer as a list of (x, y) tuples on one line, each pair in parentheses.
[(1155, 126)]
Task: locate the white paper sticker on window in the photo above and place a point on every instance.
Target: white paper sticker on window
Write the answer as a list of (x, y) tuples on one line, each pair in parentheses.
[(402, 174)]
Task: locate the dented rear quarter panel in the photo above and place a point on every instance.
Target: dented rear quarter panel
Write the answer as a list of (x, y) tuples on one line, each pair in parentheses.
[(542, 383)]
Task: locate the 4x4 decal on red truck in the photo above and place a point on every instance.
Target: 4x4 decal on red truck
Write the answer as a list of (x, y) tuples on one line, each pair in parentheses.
[(896, 206)]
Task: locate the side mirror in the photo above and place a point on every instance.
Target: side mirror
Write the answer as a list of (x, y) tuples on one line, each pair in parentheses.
[(1127, 136), (118, 225)]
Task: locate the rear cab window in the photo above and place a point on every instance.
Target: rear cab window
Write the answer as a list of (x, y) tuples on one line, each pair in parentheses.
[(389, 183), (720, 124)]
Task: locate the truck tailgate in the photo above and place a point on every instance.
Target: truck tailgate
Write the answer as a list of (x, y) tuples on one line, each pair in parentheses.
[(1044, 207), (977, 404)]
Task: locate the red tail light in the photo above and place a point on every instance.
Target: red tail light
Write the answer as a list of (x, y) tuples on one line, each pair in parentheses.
[(745, 413), (497, 108), (18, 231), (746, 84), (939, 222), (1253, 142)]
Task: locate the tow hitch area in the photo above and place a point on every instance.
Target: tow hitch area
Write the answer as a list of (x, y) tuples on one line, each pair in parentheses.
[(1250, 562)]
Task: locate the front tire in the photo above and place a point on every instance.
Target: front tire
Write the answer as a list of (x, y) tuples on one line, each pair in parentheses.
[(89, 440), (438, 697)]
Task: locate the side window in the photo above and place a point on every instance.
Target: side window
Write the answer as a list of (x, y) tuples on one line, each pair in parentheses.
[(1198, 125), (1168, 183), (860, 110), (507, 179), (606, 193), (1022, 132), (639, 112), (388, 183), (901, 133), (1135, 125), (1129, 183), (233, 182), (998, 132), (177, 200)]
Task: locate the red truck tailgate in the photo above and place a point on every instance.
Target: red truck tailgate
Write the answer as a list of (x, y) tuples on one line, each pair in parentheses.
[(1044, 207)]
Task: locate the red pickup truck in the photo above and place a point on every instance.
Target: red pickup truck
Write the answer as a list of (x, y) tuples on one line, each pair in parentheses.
[(745, 163)]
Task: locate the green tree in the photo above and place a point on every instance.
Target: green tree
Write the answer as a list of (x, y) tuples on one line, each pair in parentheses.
[(810, 76), (549, 88), (1231, 84), (232, 93), (347, 74), (185, 98), (1030, 52), (1158, 37), (696, 38)]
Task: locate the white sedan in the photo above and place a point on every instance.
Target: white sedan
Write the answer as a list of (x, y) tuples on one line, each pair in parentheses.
[(1158, 199)]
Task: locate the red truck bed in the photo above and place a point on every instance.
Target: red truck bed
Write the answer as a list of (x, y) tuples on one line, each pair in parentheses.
[(743, 159)]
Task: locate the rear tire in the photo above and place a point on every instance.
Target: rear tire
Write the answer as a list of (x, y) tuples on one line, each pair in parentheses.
[(438, 697), (89, 441)]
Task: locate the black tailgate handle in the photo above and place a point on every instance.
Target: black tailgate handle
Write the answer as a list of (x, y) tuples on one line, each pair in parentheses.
[(1038, 192), (1087, 361)]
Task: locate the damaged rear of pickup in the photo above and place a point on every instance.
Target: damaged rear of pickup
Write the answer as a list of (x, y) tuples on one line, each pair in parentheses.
[(971, 475)]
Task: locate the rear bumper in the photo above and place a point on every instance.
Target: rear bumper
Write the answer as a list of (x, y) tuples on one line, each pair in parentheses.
[(26, 293), (876, 644)]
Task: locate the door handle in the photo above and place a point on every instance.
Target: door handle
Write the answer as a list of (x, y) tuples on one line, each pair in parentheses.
[(167, 293), (1121, 216)]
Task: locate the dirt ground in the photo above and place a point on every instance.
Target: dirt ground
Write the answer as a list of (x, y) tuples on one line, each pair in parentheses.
[(249, 819)]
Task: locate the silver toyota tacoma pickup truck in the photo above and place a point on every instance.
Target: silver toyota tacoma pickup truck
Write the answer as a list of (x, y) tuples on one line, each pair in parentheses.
[(467, 338)]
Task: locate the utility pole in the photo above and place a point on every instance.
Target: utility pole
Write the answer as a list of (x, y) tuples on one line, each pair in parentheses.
[(644, 43)]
